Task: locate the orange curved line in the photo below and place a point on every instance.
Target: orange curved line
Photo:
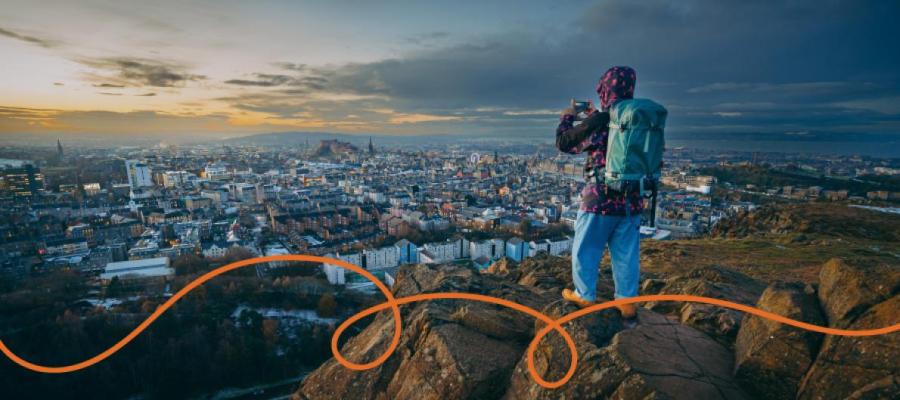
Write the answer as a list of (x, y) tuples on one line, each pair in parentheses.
[(394, 303)]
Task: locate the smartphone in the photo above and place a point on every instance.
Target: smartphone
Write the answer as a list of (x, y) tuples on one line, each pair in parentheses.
[(581, 106)]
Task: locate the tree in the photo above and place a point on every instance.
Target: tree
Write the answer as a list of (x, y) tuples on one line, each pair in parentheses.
[(236, 253), (525, 226), (327, 306), (187, 264), (270, 331), (114, 287)]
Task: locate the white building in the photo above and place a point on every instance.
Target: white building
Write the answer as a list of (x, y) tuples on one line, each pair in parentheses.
[(499, 248), (337, 275), (536, 247), (516, 249), (217, 249), (559, 246), (138, 174), (138, 269), (385, 257), (243, 192), (491, 248), (426, 257), (177, 178), (448, 251), (216, 172), (480, 249), (703, 189)]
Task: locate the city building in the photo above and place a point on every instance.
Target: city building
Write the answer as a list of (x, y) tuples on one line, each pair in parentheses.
[(516, 249), (408, 251), (150, 268), (23, 181), (139, 174)]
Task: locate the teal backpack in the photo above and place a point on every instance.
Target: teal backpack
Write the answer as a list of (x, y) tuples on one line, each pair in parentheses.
[(635, 148)]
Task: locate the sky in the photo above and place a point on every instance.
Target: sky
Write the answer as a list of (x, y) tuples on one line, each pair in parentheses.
[(216, 69)]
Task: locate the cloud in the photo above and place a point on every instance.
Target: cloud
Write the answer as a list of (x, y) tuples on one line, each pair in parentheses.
[(262, 80), (728, 114), (420, 118), (109, 94), (138, 72), (28, 39), (140, 124), (108, 85), (760, 65), (290, 66), (395, 117), (543, 112), (151, 94), (716, 64), (296, 84)]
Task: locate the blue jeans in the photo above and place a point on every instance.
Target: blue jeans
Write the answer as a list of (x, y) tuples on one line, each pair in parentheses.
[(592, 234)]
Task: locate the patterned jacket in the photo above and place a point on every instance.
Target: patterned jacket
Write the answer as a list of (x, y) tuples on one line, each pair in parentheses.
[(591, 137)]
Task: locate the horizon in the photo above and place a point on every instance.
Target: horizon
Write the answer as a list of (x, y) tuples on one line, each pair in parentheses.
[(206, 71)]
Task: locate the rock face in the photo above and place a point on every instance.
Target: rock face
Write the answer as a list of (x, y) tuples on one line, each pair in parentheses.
[(455, 349), (452, 349), (659, 359), (847, 291), (771, 358), (803, 221), (857, 297), (714, 281), (448, 349)]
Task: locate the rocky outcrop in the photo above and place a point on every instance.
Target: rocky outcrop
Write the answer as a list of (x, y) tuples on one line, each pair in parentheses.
[(771, 358), (714, 281), (455, 349), (847, 291), (659, 359), (857, 297), (448, 349), (471, 350), (803, 222)]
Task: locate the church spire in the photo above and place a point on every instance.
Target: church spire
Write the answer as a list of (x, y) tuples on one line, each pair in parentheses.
[(371, 147)]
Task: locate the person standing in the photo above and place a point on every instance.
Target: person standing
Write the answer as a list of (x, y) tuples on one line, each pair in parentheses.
[(606, 218)]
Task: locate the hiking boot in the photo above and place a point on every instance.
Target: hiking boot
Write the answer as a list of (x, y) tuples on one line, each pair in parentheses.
[(629, 311), (573, 297), (629, 315)]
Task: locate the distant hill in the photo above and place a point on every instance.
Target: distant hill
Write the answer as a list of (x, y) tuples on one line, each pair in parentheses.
[(328, 148), (296, 138)]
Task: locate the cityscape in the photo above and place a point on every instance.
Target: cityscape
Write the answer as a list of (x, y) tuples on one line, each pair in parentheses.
[(130, 213)]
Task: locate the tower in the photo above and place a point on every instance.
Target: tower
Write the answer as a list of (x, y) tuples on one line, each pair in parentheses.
[(371, 147), (59, 149)]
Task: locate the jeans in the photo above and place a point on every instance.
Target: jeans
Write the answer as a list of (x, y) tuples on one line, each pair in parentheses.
[(592, 234)]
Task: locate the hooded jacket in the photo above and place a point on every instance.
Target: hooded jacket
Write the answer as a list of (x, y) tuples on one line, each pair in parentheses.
[(591, 137)]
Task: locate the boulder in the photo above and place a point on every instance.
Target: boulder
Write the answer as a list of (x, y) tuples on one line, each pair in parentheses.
[(858, 367), (448, 348), (712, 281), (472, 350), (658, 359), (846, 291), (771, 358)]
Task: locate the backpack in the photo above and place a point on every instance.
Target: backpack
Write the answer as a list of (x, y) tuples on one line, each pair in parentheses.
[(635, 148)]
